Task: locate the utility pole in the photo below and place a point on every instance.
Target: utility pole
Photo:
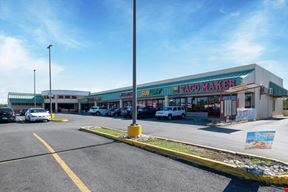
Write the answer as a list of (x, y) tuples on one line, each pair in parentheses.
[(34, 88), (134, 130), (50, 94)]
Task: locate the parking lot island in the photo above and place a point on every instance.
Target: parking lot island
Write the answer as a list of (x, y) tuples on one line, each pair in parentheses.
[(260, 169)]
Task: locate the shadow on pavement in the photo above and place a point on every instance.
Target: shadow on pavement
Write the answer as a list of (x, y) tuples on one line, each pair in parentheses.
[(60, 151), (219, 129), (236, 184)]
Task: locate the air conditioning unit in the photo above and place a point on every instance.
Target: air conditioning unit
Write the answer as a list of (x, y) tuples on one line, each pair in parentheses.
[(270, 91)]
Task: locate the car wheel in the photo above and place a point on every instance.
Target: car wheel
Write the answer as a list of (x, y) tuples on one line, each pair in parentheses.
[(97, 113), (170, 117), (183, 116), (116, 115)]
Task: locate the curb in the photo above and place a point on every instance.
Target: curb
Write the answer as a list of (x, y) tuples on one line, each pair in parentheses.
[(215, 165), (59, 120)]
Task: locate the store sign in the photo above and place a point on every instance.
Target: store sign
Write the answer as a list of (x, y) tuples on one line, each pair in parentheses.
[(210, 86), (260, 140), (94, 99), (126, 95), (151, 92)]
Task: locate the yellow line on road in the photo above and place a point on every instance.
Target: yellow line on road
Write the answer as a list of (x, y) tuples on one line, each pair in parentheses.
[(77, 181)]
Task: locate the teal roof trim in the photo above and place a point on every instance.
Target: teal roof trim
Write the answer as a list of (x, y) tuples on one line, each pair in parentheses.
[(278, 91), (167, 87), (24, 98)]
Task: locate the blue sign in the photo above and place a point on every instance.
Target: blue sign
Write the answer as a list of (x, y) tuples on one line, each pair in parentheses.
[(260, 140)]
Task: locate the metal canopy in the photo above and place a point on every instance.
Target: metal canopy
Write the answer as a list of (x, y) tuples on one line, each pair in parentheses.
[(242, 87)]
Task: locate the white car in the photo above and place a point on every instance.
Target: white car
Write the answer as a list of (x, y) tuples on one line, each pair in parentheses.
[(95, 110), (37, 114), (171, 112)]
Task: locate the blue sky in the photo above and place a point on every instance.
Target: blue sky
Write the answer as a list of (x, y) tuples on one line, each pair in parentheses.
[(92, 47)]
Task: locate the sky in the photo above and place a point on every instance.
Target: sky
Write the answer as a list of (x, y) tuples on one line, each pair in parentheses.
[(92, 41)]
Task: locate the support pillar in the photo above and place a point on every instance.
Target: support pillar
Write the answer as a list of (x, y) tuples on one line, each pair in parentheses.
[(166, 101), (56, 106), (121, 103), (79, 107)]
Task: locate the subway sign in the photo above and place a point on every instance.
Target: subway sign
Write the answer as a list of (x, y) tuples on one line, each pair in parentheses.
[(151, 92), (205, 87)]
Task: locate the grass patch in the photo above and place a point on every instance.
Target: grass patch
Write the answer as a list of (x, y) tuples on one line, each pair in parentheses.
[(184, 148), (113, 132)]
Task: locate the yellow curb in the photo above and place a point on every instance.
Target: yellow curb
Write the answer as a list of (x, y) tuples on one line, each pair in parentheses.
[(216, 165), (59, 120), (223, 150)]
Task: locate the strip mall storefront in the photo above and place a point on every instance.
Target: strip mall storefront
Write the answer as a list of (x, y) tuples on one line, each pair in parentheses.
[(206, 95)]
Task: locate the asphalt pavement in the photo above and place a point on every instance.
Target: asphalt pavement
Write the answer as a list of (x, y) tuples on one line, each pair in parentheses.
[(102, 164), (230, 137)]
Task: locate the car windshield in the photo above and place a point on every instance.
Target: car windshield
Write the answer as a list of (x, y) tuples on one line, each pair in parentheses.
[(167, 109), (37, 111)]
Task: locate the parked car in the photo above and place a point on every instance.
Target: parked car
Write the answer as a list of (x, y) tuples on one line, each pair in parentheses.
[(116, 112), (95, 110), (146, 111), (7, 115), (109, 111), (171, 112), (126, 112), (37, 114), (23, 111)]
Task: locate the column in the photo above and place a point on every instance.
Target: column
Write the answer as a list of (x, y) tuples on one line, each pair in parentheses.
[(79, 107), (56, 106), (95, 103), (241, 99), (166, 101), (121, 103)]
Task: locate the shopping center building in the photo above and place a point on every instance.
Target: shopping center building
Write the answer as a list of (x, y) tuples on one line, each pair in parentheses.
[(246, 89), (19, 101), (63, 100)]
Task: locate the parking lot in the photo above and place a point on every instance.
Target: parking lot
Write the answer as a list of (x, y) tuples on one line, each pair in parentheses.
[(197, 131), (105, 165)]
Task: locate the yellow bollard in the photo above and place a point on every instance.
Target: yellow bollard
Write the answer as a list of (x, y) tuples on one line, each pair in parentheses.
[(52, 115), (134, 131)]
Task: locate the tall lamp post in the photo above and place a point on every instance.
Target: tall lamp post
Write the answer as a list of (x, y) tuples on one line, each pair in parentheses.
[(34, 88), (134, 130), (50, 94)]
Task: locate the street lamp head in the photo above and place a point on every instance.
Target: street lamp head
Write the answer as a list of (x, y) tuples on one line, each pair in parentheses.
[(49, 46)]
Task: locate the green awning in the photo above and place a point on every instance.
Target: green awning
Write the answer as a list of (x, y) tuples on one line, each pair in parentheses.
[(278, 91), (27, 98)]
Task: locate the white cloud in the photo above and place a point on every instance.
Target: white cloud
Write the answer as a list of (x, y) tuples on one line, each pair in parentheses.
[(16, 66), (43, 21)]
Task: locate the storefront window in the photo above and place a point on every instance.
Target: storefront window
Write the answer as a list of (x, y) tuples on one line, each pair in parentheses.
[(249, 100), (285, 104)]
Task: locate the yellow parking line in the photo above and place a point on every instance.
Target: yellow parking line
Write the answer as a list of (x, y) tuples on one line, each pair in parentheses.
[(77, 181)]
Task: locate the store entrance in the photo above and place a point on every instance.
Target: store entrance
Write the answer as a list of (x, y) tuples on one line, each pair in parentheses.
[(214, 106)]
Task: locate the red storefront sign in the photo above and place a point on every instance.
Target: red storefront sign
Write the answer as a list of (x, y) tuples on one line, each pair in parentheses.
[(94, 99), (211, 86), (126, 95)]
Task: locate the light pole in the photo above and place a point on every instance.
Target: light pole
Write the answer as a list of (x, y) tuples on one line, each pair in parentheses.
[(50, 94), (134, 130), (34, 88)]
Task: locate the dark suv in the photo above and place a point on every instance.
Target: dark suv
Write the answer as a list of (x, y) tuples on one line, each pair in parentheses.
[(146, 112), (23, 111), (7, 115)]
